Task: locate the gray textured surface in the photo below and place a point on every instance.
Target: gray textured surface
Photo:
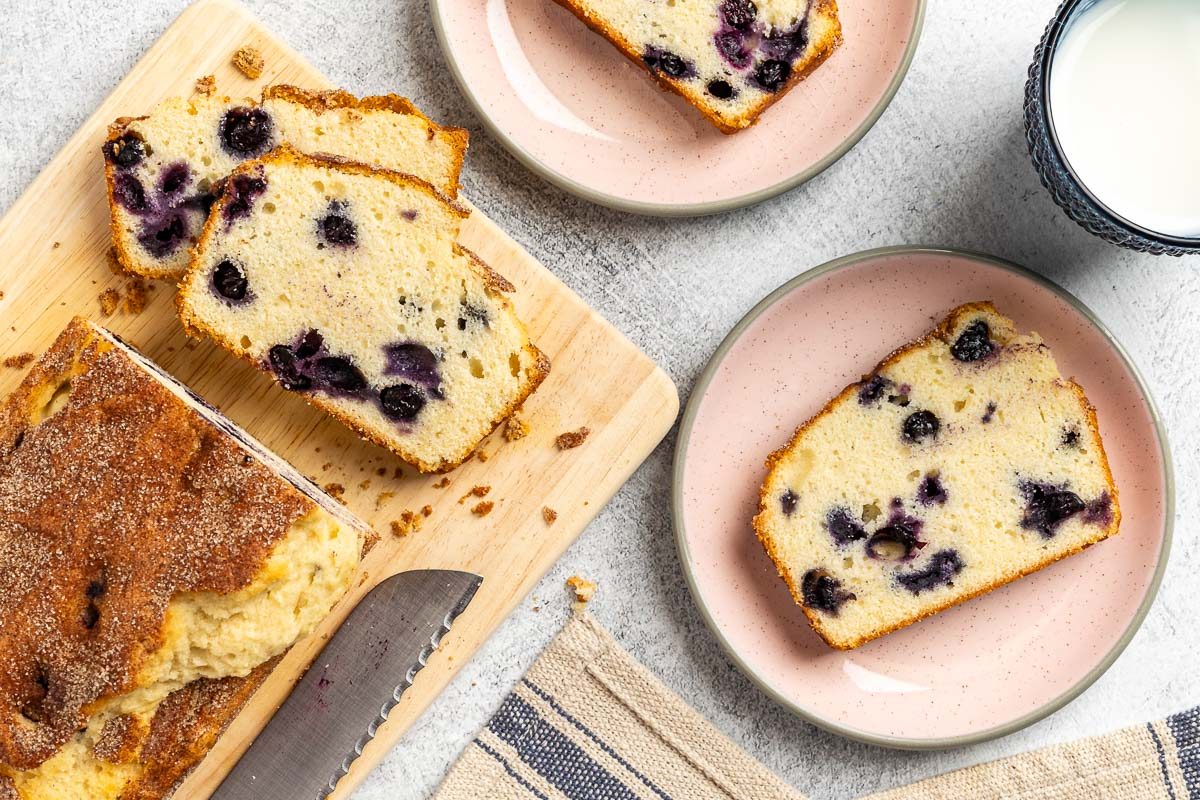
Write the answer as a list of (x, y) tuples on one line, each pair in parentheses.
[(945, 165)]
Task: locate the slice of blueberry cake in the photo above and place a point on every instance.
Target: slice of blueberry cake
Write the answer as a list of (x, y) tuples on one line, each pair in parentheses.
[(165, 170), (731, 59), (962, 462), (346, 283)]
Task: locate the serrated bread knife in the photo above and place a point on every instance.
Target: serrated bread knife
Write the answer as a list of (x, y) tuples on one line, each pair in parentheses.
[(339, 704)]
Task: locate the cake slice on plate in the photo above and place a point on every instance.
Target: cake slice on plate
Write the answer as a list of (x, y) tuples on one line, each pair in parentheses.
[(346, 283), (731, 59), (962, 462), (154, 560), (165, 170)]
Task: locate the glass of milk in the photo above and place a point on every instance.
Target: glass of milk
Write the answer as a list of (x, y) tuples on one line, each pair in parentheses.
[(1112, 117)]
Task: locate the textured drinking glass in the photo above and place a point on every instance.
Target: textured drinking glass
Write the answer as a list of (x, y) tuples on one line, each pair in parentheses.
[(1055, 171)]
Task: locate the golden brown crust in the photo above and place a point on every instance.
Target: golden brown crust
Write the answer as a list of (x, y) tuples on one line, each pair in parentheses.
[(824, 48), (118, 500), (333, 99), (286, 154), (941, 331)]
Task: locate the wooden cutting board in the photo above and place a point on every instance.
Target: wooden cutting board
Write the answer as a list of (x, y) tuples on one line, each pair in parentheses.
[(56, 238)]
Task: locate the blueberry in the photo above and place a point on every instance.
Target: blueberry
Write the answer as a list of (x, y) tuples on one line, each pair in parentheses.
[(336, 228), (283, 361), (720, 89), (1099, 511), (1047, 507), (229, 279), (126, 150), (739, 13), (896, 541), (164, 237), (974, 343), (941, 570), (872, 389), (731, 46), (130, 193), (310, 344), (784, 46), (931, 491), (920, 425), (174, 178), (772, 74), (412, 361), (668, 63), (988, 412), (240, 194), (402, 401), (338, 373), (245, 131), (823, 592), (843, 527), (788, 501), (1070, 437)]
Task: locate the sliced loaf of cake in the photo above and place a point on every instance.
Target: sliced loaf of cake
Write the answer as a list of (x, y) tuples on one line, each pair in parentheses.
[(165, 170), (731, 59), (962, 462), (346, 283)]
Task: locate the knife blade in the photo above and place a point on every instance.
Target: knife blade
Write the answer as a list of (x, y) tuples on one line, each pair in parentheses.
[(339, 704)]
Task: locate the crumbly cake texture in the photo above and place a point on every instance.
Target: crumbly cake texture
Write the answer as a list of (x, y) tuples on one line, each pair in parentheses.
[(962, 462), (346, 283), (153, 558), (165, 170), (731, 59)]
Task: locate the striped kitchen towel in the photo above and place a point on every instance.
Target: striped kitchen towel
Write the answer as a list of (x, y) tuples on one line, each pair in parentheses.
[(587, 722)]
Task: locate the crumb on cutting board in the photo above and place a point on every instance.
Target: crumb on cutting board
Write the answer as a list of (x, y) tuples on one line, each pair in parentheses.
[(114, 262), (135, 296), (426, 510), (383, 498), (442, 484), (482, 455), (335, 490), (19, 361), (516, 428), (584, 590), (364, 485), (249, 62), (56, 245), (381, 472), (483, 509), (549, 515), (206, 85), (572, 439), (476, 491), (409, 522), (110, 299)]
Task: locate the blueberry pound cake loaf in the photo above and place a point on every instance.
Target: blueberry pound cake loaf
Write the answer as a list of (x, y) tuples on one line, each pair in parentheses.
[(346, 283), (962, 462), (155, 561), (731, 59), (165, 170)]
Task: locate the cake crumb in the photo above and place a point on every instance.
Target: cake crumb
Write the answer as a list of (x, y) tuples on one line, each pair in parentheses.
[(19, 361), (572, 439), (114, 262), (249, 62), (584, 590), (483, 509), (426, 510), (383, 498), (381, 472), (366, 484), (549, 515), (409, 522), (398, 473), (516, 428), (56, 245), (442, 484), (476, 491), (110, 299), (482, 456), (206, 85), (326, 466), (135, 296), (335, 490)]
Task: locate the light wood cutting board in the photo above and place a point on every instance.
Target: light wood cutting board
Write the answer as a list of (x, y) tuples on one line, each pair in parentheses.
[(56, 238)]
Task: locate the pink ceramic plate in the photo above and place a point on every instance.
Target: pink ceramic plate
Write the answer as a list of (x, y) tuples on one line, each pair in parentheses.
[(983, 669), (573, 109)]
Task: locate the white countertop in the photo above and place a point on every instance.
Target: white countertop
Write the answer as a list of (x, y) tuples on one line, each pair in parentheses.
[(946, 165)]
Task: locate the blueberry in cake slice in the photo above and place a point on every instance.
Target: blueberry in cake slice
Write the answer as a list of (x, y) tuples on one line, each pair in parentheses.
[(962, 462), (346, 283), (154, 562), (165, 170), (731, 59)]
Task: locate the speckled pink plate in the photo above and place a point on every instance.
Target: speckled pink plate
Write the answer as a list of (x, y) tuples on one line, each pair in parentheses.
[(978, 671), (577, 112)]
